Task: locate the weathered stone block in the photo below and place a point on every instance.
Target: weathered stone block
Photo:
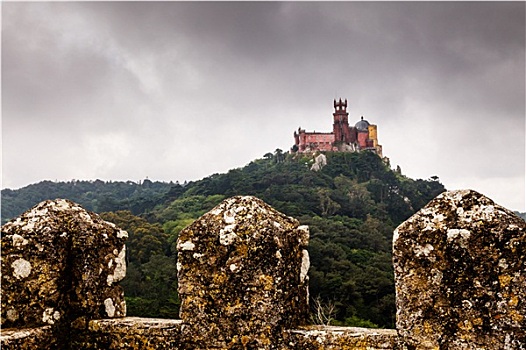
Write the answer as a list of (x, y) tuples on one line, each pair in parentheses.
[(60, 264), (340, 338), (460, 274), (39, 338), (242, 276), (129, 333)]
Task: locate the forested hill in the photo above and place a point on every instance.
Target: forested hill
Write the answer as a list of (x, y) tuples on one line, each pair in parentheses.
[(97, 196), (352, 206)]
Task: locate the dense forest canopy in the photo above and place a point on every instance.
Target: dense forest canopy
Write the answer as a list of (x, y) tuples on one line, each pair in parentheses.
[(97, 196), (352, 205)]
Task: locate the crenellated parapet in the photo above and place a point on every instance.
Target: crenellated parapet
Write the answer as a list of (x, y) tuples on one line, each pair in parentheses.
[(243, 281)]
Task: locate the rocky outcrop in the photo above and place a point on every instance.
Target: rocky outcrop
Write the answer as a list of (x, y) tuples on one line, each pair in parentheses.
[(60, 265), (242, 276), (319, 162), (460, 273)]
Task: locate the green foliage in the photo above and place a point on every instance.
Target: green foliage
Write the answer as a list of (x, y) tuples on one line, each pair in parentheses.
[(355, 321), (151, 288), (97, 196), (144, 239), (150, 285), (187, 207), (351, 206)]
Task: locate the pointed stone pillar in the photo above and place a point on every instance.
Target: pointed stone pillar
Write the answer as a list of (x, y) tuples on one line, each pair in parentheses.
[(242, 276), (460, 274), (60, 264)]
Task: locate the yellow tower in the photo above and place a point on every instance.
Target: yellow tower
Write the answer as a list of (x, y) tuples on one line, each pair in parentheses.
[(373, 134)]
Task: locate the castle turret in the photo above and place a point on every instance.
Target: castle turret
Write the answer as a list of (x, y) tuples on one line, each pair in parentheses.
[(340, 126), (373, 135)]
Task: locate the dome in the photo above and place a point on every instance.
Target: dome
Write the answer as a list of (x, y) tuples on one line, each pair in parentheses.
[(362, 125)]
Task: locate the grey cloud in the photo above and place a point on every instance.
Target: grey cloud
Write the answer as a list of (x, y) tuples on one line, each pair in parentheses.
[(167, 77)]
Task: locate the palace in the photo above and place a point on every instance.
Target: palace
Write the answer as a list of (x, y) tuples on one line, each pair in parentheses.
[(343, 138)]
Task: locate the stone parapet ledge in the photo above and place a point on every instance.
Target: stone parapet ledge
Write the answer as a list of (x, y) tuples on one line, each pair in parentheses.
[(340, 338), (136, 333), (38, 338), (130, 333)]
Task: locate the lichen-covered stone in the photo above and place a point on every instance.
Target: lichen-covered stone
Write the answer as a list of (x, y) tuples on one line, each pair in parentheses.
[(132, 333), (135, 333), (340, 338), (39, 338), (60, 264), (242, 276), (460, 274)]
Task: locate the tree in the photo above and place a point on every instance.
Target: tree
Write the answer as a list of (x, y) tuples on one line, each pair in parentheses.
[(279, 157), (144, 239), (323, 313), (268, 156), (327, 205)]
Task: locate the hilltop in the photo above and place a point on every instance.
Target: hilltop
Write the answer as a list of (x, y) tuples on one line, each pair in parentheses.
[(352, 206)]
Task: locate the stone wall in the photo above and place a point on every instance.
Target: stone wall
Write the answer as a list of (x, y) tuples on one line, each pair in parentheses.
[(459, 266), (134, 333), (129, 333), (337, 338), (314, 141), (38, 338)]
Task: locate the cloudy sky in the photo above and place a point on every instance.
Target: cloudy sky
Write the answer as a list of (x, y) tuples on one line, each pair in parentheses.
[(177, 91)]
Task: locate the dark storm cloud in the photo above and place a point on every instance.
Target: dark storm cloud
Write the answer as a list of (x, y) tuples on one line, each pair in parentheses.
[(52, 69), (207, 86)]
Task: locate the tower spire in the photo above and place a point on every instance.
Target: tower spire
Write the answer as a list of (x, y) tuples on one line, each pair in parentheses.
[(340, 105), (340, 124)]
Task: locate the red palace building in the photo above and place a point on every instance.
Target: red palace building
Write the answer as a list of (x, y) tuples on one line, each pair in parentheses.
[(343, 138)]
